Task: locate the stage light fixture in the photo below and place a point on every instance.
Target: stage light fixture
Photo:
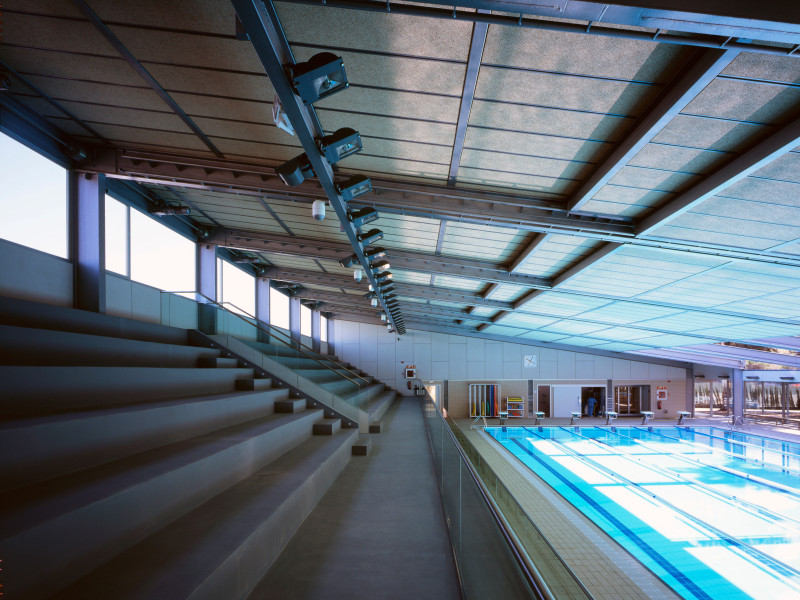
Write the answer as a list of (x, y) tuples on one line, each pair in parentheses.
[(373, 302), (385, 276), (340, 144), (363, 216), (296, 171), (319, 77), (349, 262), (374, 253), (356, 186), (358, 274), (372, 236), (381, 265), (382, 316)]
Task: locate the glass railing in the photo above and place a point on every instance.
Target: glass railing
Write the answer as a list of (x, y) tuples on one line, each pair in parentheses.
[(191, 310), (499, 551)]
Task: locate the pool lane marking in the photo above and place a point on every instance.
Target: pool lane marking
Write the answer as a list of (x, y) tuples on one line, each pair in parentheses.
[(776, 518), (676, 574), (764, 559)]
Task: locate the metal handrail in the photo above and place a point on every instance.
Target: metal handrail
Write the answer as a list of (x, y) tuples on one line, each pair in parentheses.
[(258, 325), (530, 572), (293, 341)]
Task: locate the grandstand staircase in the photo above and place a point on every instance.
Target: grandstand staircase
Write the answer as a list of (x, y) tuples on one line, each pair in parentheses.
[(137, 464)]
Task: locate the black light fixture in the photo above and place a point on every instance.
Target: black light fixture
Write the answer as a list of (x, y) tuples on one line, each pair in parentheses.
[(340, 144), (381, 265), (372, 236), (389, 287), (296, 171), (356, 186), (319, 77), (384, 276), (374, 253), (349, 262), (361, 217)]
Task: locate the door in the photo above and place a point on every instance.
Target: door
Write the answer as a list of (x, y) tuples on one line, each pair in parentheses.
[(566, 400), (543, 402)]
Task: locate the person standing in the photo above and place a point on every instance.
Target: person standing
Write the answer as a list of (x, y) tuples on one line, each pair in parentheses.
[(591, 403)]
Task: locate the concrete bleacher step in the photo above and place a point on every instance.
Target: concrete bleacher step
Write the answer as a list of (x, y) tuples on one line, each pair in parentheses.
[(39, 448), (43, 523), (217, 362), (362, 446), (363, 396), (29, 346), (32, 390), (223, 548), (24, 313), (290, 405), (253, 384), (327, 426), (379, 404)]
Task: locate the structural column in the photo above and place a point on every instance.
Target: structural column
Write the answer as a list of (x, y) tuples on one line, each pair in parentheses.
[(690, 390), (294, 317), (86, 200), (737, 382), (206, 284), (262, 307), (331, 340), (316, 330)]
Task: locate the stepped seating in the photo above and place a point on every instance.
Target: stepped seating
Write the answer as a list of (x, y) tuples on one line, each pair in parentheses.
[(136, 466)]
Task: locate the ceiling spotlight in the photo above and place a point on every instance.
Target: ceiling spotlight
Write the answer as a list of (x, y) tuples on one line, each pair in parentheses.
[(372, 236), (358, 274), (361, 217), (381, 265), (319, 77), (384, 276), (340, 144), (356, 186), (170, 211), (371, 289), (382, 316), (295, 171), (349, 261), (318, 210), (373, 302), (370, 295), (374, 253), (389, 327)]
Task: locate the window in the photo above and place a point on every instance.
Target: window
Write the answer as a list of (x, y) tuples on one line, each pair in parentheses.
[(238, 289), (33, 199), (278, 309), (159, 256), (305, 321), (323, 330), (117, 250)]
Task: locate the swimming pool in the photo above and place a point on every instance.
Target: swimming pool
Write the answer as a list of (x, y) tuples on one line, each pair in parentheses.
[(713, 513)]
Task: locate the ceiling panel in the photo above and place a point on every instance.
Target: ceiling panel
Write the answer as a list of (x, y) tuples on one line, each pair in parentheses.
[(531, 144), (744, 101)]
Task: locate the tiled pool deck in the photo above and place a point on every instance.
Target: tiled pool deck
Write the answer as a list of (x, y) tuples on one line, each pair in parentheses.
[(606, 570)]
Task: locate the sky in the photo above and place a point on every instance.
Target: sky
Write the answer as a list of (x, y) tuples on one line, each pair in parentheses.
[(33, 212)]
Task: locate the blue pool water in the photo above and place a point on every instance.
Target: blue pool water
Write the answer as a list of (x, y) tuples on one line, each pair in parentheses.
[(713, 513)]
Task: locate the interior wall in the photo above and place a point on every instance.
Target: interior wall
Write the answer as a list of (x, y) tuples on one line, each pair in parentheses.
[(439, 357), (30, 274)]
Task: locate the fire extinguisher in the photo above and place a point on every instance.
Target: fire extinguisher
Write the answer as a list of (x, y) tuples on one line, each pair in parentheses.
[(658, 404)]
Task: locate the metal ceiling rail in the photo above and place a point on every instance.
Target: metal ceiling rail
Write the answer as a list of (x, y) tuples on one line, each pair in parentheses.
[(760, 154), (401, 259), (684, 87), (479, 31), (269, 43), (431, 201), (715, 33), (144, 73)]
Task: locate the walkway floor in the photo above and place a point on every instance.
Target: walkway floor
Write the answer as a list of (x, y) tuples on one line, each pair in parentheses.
[(379, 531)]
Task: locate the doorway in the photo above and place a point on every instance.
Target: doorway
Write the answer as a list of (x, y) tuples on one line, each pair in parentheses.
[(631, 399), (543, 399), (599, 394)]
